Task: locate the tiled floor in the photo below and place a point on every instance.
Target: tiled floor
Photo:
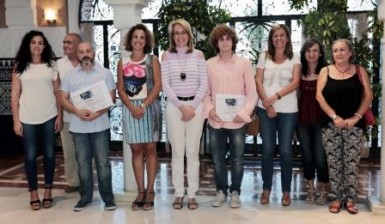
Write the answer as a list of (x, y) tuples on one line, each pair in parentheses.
[(14, 207)]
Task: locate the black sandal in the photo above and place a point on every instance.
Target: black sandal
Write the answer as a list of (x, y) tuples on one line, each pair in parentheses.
[(47, 202), (178, 203), (138, 203), (192, 204), (148, 205), (35, 205)]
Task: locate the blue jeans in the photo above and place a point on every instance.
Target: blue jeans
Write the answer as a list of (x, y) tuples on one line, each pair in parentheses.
[(34, 137), (313, 153), (284, 124), (218, 145), (93, 145)]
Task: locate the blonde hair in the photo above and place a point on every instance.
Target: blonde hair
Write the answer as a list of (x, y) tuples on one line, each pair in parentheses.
[(186, 26), (349, 45)]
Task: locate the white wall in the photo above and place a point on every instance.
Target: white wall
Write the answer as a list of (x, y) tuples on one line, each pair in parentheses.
[(20, 19)]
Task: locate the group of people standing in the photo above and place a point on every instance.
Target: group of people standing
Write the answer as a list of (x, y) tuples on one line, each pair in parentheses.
[(324, 103), (41, 104)]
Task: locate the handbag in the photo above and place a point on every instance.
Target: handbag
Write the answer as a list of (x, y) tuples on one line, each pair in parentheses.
[(368, 116), (252, 128), (370, 120)]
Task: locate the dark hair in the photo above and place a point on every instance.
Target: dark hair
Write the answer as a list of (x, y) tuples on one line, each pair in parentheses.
[(149, 38), (289, 46), (321, 60), (221, 31), (23, 57)]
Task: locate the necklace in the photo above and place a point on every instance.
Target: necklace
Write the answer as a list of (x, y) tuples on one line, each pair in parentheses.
[(183, 75), (342, 72)]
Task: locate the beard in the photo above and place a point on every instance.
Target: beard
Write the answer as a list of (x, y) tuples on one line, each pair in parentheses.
[(86, 61)]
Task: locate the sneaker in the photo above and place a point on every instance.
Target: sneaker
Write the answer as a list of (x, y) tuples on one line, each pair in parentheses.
[(219, 200), (110, 205), (235, 202), (71, 189), (80, 206)]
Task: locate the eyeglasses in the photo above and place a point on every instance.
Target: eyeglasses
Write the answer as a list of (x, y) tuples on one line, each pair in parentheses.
[(180, 33)]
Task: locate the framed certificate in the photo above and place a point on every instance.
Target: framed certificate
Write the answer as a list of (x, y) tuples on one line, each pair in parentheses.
[(94, 97), (227, 106)]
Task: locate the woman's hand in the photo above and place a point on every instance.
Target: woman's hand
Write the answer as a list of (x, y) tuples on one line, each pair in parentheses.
[(269, 101), (138, 112), (271, 112), (339, 122), (350, 122), (18, 128), (58, 124), (188, 112)]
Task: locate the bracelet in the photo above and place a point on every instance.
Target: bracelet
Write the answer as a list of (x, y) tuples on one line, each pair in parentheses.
[(142, 105), (279, 96), (333, 117), (358, 115)]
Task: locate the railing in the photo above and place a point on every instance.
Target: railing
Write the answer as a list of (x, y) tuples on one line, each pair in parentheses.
[(6, 66)]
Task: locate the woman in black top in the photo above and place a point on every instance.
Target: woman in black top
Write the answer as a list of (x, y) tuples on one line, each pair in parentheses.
[(344, 97)]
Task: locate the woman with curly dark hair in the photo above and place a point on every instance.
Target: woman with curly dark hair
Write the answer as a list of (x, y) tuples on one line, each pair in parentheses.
[(35, 109)]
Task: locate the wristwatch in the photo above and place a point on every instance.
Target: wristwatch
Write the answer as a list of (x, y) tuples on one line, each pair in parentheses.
[(333, 117), (142, 105)]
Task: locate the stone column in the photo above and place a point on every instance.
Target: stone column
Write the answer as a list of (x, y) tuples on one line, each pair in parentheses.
[(377, 204), (73, 16), (126, 14)]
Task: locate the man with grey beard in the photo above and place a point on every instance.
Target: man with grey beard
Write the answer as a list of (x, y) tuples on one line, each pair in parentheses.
[(90, 129)]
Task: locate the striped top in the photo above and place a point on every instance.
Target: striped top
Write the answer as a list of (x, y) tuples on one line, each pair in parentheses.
[(195, 82)]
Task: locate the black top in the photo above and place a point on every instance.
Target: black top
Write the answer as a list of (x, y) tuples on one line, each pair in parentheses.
[(344, 96)]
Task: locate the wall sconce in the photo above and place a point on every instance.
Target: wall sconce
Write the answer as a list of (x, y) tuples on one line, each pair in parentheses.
[(50, 16)]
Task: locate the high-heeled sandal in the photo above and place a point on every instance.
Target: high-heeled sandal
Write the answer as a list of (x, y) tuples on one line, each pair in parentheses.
[(265, 197), (138, 203), (351, 206), (286, 200), (178, 203), (47, 202), (335, 206), (148, 205), (35, 205)]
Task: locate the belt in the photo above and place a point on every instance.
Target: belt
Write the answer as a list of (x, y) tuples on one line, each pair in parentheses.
[(188, 98)]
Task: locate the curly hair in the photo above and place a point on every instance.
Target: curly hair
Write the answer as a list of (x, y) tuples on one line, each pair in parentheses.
[(220, 31), (149, 38), (321, 60), (289, 46), (24, 58)]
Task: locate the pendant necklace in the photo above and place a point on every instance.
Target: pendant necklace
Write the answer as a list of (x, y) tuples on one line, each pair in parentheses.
[(183, 75), (343, 72)]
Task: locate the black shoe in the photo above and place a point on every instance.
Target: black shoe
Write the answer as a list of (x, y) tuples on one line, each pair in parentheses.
[(80, 206), (71, 189), (110, 205)]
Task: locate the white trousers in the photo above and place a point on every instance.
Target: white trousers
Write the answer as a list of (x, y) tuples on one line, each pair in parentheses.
[(70, 163), (185, 140)]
